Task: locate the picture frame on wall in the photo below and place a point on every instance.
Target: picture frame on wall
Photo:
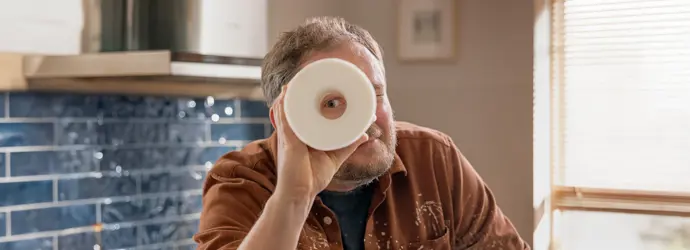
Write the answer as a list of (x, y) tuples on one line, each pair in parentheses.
[(427, 30)]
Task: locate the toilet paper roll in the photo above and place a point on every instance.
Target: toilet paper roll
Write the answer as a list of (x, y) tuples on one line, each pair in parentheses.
[(321, 86)]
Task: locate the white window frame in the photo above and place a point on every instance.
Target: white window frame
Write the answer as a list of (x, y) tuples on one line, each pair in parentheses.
[(572, 198)]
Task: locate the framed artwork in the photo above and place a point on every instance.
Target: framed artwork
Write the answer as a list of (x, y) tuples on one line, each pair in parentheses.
[(426, 30)]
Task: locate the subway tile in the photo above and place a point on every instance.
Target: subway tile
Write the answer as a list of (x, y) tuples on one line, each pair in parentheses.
[(3, 220), (160, 157), (54, 218), (85, 188), (26, 134), (119, 238), (70, 133), (118, 159), (246, 132), (269, 130), (187, 132), (139, 107), (223, 108), (120, 133), (32, 244), (167, 232), (212, 154), (139, 158), (207, 107), (81, 241), (54, 162), (254, 108), (116, 133), (153, 208), (52, 105), (172, 181), (129, 120), (117, 106), (128, 130), (108, 106), (17, 193), (154, 107), (204, 108)]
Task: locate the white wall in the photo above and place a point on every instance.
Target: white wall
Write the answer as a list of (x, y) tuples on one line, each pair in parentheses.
[(286, 14)]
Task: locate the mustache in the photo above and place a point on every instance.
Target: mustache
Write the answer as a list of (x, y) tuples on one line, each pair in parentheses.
[(374, 131)]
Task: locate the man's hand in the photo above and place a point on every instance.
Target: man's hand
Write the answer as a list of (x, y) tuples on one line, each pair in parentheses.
[(303, 172)]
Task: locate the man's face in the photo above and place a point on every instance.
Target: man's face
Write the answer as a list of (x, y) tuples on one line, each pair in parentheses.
[(374, 157)]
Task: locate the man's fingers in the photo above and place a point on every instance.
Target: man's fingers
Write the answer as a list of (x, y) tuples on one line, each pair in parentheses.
[(281, 120)]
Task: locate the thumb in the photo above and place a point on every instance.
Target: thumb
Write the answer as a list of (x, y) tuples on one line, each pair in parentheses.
[(342, 154)]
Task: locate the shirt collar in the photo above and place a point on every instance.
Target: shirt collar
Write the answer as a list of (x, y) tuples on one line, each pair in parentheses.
[(272, 142)]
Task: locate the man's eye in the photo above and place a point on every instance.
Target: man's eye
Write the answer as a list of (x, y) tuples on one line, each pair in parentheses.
[(332, 103)]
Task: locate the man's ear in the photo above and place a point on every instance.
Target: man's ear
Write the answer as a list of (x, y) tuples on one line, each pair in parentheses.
[(270, 115)]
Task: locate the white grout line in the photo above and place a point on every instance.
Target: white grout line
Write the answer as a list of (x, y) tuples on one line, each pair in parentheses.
[(56, 133), (221, 120), (209, 134), (131, 224), (125, 146), (98, 119), (138, 182), (105, 200), (140, 236), (246, 120), (51, 177), (238, 108), (8, 224), (55, 190), (99, 213), (44, 234), (44, 148), (8, 171), (104, 174), (106, 227)]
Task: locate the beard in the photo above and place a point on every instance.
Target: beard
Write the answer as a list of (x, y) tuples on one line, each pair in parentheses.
[(370, 160)]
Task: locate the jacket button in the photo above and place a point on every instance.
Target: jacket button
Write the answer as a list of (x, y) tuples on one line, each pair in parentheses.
[(327, 220)]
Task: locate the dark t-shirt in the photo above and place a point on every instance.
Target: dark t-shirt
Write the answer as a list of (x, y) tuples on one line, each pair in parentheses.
[(351, 210)]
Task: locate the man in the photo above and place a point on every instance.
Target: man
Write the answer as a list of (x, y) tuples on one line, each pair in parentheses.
[(400, 186)]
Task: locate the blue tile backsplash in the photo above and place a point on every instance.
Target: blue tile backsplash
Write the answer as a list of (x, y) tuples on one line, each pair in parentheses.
[(109, 171), (17, 193)]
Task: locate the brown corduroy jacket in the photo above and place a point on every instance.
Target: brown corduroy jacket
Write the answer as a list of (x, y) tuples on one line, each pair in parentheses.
[(431, 198)]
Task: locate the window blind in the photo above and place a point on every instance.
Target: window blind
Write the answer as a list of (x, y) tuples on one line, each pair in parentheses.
[(625, 101)]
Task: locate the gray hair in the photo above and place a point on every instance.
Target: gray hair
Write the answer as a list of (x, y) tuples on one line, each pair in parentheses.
[(282, 62)]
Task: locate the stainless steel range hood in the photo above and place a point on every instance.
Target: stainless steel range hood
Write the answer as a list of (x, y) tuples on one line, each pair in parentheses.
[(143, 72), (168, 47), (142, 63)]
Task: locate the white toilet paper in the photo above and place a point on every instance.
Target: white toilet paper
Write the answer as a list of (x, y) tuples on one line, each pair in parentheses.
[(304, 99)]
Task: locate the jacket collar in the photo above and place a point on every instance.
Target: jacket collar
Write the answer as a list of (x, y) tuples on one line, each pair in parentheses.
[(272, 143)]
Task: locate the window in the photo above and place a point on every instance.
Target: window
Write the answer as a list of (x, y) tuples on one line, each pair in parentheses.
[(603, 230), (620, 124)]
